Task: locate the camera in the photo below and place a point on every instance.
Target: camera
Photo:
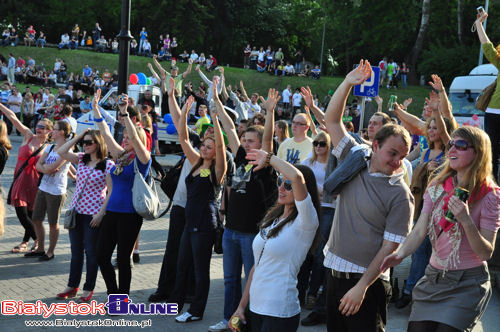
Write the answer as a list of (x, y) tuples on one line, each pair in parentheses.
[(480, 10)]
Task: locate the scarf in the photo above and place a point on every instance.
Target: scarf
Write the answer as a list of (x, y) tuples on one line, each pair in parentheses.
[(124, 159)]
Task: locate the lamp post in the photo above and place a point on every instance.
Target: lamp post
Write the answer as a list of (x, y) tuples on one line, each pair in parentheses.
[(124, 38), (322, 45), (480, 62)]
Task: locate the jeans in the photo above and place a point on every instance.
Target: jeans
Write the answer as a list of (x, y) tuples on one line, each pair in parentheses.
[(117, 229), (237, 248), (198, 246), (491, 125), (40, 42), (312, 272), (140, 45), (73, 44), (83, 238), (168, 271), (403, 81), (419, 261), (298, 67)]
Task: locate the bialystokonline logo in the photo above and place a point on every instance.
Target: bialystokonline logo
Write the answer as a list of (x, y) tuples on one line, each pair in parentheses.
[(118, 304)]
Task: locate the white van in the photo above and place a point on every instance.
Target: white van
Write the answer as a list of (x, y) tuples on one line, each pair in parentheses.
[(167, 142), (464, 91)]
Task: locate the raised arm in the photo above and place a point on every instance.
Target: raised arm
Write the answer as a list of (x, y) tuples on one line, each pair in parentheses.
[(333, 114), (444, 104), (175, 111), (441, 127), (260, 159), (313, 125), (270, 104), (191, 154), (379, 102), (308, 99), (203, 77), (242, 110), (243, 91), (220, 148), (114, 148), (223, 85), (410, 121), (25, 131), (140, 148), (483, 38), (188, 70), (228, 125), (150, 66), (163, 72), (65, 150)]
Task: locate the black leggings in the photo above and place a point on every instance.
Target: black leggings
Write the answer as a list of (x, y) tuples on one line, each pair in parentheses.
[(430, 326), (117, 229), (24, 216)]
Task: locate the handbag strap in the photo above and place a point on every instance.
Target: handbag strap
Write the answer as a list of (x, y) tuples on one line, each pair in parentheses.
[(21, 169), (84, 185)]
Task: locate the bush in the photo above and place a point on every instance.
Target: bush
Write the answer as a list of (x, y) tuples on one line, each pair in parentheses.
[(447, 62)]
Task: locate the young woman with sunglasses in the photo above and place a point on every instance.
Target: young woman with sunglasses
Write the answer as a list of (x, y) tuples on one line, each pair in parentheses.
[(121, 223), (203, 184), (455, 290), (286, 235), (25, 187), (312, 272), (90, 202), (51, 193)]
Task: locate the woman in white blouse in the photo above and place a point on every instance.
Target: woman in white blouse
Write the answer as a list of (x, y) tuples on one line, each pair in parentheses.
[(286, 235)]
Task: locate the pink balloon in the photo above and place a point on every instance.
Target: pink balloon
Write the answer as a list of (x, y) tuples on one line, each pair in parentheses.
[(133, 78)]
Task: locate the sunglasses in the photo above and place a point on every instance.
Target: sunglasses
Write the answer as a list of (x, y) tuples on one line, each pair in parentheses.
[(459, 144), (41, 127), (287, 184), (321, 144), (88, 142)]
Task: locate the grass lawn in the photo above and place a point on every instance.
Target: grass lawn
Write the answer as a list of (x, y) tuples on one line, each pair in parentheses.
[(254, 81)]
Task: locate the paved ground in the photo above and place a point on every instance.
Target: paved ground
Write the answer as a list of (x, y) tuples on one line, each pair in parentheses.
[(28, 280)]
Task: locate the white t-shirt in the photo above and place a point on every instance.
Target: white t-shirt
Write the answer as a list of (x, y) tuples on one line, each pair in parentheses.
[(261, 56), (273, 291), (319, 172), (289, 68), (55, 183), (297, 98), (286, 96), (254, 108), (18, 99)]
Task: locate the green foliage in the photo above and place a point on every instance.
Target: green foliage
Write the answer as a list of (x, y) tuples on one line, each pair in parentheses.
[(448, 62)]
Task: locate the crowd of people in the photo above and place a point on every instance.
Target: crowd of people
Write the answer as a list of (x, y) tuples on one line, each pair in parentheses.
[(289, 205)]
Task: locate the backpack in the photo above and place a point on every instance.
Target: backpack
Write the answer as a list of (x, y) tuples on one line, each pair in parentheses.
[(170, 181)]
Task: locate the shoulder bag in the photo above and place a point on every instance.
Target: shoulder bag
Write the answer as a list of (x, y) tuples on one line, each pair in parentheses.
[(70, 215), (144, 196)]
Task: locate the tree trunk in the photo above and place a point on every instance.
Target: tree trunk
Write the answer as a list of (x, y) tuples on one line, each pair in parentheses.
[(459, 21), (417, 48)]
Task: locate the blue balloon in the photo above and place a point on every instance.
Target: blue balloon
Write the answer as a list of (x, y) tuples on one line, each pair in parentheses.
[(142, 78), (168, 118), (171, 129)]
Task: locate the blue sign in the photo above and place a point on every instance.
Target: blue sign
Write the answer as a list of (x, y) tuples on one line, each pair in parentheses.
[(370, 87)]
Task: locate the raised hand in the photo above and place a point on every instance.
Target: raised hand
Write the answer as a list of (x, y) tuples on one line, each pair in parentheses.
[(272, 99), (123, 107), (432, 101), (307, 95), (436, 83), (187, 105), (221, 69), (407, 102), (360, 73), (379, 100), (229, 88), (482, 17), (197, 68), (258, 158), (95, 100), (190, 61)]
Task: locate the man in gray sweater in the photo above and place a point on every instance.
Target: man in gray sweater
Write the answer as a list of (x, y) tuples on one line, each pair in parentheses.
[(363, 234)]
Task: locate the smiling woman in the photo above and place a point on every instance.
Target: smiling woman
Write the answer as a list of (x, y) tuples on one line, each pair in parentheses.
[(459, 250)]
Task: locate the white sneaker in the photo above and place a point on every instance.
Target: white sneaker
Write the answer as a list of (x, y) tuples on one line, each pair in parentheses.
[(219, 327), (186, 317)]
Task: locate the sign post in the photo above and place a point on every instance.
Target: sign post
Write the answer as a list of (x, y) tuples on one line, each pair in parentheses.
[(368, 89)]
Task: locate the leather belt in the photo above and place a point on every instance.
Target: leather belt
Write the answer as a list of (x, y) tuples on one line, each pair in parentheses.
[(346, 275)]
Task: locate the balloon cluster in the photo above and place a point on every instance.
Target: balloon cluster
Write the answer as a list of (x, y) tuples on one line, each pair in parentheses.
[(139, 78), (170, 124)]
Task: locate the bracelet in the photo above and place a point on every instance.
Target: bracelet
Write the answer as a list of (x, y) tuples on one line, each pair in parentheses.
[(268, 159), (98, 120), (124, 115)]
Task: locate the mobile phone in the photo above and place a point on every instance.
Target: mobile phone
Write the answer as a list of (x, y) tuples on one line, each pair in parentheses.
[(480, 10)]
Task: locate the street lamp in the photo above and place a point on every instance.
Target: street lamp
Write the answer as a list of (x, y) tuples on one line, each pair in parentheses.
[(124, 37), (322, 45)]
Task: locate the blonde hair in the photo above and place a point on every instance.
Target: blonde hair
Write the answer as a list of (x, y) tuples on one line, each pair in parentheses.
[(147, 123), (480, 171), (4, 137), (322, 136), (140, 133)]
